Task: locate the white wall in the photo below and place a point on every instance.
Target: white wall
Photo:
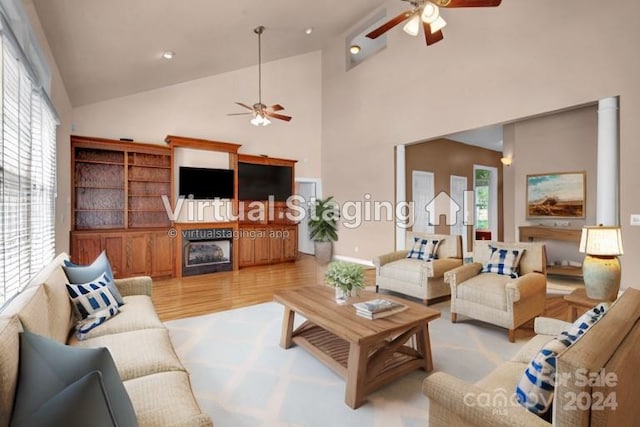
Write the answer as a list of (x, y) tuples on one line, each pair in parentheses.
[(494, 66)]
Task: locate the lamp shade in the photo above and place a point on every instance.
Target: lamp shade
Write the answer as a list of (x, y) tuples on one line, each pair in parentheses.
[(601, 241)]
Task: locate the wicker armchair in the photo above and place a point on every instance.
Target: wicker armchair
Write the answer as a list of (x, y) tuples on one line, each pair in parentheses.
[(418, 278), (497, 298)]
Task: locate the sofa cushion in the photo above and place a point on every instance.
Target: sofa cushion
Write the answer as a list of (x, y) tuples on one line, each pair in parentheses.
[(137, 313), (47, 367), (125, 348), (31, 306), (61, 316), (407, 270), (535, 389), (165, 396), (487, 289), (503, 261), (94, 302), (9, 357), (83, 400), (85, 273), (423, 249)]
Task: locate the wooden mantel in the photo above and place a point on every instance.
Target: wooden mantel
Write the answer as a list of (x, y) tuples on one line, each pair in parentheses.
[(529, 233)]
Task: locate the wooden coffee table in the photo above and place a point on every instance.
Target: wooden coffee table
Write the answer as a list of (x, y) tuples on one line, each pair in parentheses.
[(366, 353)]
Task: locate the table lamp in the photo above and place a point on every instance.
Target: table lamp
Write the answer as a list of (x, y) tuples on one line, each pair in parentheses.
[(601, 268)]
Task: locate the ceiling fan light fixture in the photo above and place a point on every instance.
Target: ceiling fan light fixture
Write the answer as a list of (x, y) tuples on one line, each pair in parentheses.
[(412, 27), (430, 13), (437, 25), (260, 119)]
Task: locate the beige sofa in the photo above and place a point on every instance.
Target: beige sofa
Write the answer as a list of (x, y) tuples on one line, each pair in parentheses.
[(418, 278), (610, 347), (155, 379)]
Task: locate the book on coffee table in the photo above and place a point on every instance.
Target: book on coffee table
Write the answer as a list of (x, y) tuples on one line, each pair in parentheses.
[(377, 308)]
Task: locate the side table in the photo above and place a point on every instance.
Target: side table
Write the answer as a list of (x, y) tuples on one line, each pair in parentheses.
[(578, 299)]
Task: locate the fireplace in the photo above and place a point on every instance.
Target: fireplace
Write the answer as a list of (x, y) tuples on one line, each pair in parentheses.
[(207, 250)]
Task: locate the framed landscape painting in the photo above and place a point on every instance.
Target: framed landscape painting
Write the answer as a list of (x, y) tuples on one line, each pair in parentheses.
[(556, 195)]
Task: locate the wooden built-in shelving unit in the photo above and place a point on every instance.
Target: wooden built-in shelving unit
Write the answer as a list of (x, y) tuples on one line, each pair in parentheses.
[(540, 232)]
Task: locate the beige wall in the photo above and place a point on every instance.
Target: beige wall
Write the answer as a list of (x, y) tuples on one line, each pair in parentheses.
[(61, 102), (444, 158), (494, 66), (561, 142)]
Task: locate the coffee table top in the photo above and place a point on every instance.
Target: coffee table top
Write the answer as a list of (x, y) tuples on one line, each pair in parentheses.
[(318, 305)]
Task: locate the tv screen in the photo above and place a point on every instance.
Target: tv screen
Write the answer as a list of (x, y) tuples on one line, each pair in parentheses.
[(258, 182), (205, 183)]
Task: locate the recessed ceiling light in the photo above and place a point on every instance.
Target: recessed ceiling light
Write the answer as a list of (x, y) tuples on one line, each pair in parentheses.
[(355, 49), (308, 30), (168, 54)]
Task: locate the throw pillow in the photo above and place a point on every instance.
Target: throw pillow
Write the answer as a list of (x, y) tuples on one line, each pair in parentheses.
[(535, 389), (503, 261), (48, 367), (424, 249), (85, 399), (94, 302), (84, 273)]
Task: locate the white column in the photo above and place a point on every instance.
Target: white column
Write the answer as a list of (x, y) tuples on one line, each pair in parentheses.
[(607, 189), (401, 193)]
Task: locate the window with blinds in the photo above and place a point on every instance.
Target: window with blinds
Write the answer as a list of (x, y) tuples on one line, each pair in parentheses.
[(27, 175)]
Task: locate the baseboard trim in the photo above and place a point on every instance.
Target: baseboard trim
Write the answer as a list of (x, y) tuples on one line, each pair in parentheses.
[(368, 263)]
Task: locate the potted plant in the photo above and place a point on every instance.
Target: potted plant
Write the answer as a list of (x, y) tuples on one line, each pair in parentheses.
[(323, 227), (346, 277)]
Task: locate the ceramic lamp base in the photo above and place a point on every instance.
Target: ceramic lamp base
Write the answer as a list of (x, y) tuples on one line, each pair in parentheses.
[(601, 277)]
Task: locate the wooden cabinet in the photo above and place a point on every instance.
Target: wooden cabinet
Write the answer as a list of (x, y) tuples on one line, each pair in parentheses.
[(267, 244), (117, 205)]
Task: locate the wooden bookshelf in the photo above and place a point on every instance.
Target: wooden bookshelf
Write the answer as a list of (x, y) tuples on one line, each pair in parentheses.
[(117, 190)]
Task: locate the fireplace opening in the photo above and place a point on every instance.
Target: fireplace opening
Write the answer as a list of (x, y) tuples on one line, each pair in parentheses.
[(207, 251)]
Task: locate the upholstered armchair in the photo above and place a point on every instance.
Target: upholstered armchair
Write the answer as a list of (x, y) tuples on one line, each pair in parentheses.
[(495, 297), (419, 278)]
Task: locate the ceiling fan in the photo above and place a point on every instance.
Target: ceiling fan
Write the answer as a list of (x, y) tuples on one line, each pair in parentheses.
[(428, 13), (259, 111)]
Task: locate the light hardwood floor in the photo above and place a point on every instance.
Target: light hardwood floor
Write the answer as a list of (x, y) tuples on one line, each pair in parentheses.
[(198, 295)]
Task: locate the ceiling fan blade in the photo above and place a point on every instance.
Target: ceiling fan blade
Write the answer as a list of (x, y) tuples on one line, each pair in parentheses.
[(276, 107), (245, 106), (238, 114), (467, 3), (390, 24), (429, 37), (278, 116)]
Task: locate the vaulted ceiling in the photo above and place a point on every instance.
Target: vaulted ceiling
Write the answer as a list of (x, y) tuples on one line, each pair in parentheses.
[(107, 49)]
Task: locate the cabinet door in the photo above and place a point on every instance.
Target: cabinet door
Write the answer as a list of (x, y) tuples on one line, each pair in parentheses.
[(246, 248), (115, 246), (275, 243), (290, 243), (262, 246), (85, 248), (138, 254), (161, 254)]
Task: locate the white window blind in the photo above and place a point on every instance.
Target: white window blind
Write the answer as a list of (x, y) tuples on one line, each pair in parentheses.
[(27, 175)]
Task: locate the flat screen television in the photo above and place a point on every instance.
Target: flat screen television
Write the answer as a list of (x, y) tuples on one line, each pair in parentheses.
[(258, 182), (203, 183)]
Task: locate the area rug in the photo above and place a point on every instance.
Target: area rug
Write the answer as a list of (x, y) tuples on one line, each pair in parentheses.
[(241, 376)]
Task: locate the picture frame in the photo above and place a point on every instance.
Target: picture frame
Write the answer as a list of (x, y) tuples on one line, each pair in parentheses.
[(556, 195)]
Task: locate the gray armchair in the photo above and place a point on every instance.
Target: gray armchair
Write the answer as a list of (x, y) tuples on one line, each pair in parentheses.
[(496, 298), (418, 278)]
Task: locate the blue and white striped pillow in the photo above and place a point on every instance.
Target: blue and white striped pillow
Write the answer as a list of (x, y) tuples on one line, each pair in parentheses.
[(535, 389), (95, 303), (424, 249), (503, 261)]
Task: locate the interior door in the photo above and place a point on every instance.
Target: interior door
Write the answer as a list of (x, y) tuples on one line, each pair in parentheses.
[(308, 190), (422, 184), (457, 187)]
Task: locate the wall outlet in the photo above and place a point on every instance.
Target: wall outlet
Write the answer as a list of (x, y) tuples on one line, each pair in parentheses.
[(635, 219)]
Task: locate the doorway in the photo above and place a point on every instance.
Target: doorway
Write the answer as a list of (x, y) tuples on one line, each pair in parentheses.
[(309, 189), (485, 186)]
